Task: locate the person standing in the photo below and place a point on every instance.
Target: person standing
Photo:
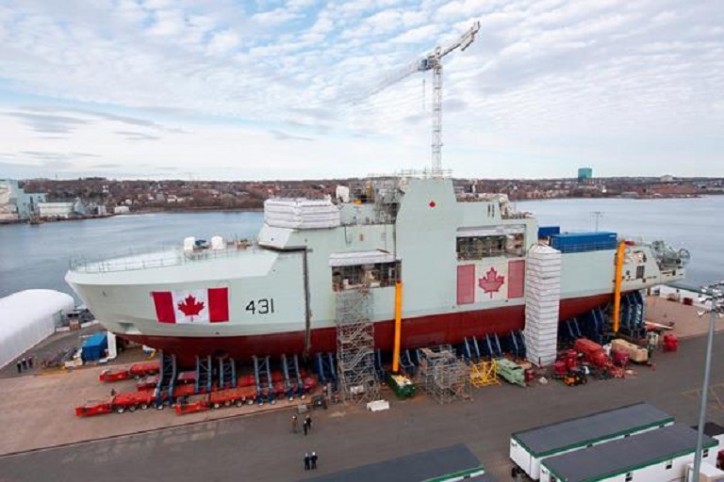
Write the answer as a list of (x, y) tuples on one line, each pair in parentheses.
[(307, 460), (305, 427), (314, 460), (308, 421), (20, 366), (30, 362), (295, 424), (24, 363)]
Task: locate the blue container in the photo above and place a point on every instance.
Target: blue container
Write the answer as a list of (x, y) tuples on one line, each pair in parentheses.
[(580, 242), (547, 231), (94, 347)]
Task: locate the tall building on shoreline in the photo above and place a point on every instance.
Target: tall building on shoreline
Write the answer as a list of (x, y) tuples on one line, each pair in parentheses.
[(16, 204)]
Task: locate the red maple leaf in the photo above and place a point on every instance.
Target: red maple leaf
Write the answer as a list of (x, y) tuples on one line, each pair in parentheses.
[(492, 282), (191, 307)]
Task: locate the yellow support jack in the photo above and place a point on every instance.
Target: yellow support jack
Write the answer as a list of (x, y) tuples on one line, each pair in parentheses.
[(484, 374)]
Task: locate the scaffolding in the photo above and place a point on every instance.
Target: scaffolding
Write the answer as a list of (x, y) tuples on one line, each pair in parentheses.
[(443, 375), (355, 346), (484, 373)]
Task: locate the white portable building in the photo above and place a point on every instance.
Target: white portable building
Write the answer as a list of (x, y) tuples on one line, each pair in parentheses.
[(529, 448), (655, 456), (27, 318)]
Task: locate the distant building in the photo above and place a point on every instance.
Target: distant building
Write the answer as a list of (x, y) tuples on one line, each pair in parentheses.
[(16, 204), (585, 174), (121, 210), (666, 178), (62, 210)]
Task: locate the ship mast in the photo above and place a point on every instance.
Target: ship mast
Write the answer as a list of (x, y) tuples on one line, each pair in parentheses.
[(433, 62)]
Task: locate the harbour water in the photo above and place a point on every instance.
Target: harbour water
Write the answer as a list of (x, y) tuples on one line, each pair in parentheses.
[(39, 256)]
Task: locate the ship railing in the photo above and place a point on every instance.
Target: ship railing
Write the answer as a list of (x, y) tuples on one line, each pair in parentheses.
[(152, 258)]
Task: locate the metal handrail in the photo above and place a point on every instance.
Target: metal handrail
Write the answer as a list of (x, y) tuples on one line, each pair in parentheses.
[(152, 258)]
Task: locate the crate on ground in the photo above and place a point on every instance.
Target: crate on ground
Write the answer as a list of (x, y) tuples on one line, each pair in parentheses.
[(636, 354)]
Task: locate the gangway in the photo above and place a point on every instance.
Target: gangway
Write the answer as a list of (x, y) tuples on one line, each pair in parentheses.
[(166, 379), (263, 379)]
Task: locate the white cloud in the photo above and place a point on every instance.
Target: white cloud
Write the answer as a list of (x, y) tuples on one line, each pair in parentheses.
[(223, 42), (275, 17), (545, 78), (419, 34)]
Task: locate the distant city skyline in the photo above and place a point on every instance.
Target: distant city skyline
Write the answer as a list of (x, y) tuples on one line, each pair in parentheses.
[(225, 90)]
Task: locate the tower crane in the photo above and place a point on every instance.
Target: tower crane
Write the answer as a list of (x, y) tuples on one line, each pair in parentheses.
[(433, 61)]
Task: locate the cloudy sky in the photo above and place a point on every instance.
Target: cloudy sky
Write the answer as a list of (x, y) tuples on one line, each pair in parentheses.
[(266, 89)]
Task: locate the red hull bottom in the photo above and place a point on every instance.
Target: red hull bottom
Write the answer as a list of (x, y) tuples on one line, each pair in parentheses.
[(416, 332)]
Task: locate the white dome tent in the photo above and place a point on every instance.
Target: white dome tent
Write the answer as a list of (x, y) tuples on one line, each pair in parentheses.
[(27, 318)]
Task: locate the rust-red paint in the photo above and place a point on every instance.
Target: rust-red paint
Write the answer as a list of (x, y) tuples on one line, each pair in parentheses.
[(416, 332)]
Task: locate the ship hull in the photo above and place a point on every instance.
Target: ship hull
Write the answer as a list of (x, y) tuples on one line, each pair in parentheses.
[(430, 330)]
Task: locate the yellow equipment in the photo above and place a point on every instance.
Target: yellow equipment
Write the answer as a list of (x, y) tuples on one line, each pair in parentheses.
[(484, 373)]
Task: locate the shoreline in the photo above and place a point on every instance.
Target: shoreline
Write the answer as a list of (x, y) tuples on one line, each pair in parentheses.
[(213, 209)]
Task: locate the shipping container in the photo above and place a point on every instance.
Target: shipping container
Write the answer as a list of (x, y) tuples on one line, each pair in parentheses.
[(94, 347), (547, 231), (581, 242)]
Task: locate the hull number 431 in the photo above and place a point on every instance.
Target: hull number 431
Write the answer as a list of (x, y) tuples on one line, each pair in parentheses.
[(261, 306)]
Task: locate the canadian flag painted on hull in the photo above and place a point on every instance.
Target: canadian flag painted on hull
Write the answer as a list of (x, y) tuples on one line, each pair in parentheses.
[(192, 306), (494, 280)]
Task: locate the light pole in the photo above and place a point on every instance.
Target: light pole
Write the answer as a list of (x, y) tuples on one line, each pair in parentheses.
[(598, 215), (714, 294)]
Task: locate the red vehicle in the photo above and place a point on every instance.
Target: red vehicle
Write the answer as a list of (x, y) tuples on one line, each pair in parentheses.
[(592, 352), (127, 401), (232, 396), (111, 375), (147, 383), (94, 408), (193, 407), (186, 377), (139, 370)]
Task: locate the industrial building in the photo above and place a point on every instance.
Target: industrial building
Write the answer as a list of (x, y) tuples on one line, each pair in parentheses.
[(29, 317), (530, 448), (61, 210), (585, 174), (16, 204), (655, 456)]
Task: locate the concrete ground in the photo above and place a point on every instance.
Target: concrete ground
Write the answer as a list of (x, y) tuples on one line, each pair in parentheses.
[(684, 319), (263, 448)]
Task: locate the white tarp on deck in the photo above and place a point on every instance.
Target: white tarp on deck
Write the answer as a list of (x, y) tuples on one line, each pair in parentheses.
[(27, 318), (301, 213)]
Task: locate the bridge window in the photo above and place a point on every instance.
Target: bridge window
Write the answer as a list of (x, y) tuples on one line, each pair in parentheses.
[(375, 275), (479, 247)]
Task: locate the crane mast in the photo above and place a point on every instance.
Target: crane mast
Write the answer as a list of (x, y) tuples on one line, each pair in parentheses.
[(433, 61)]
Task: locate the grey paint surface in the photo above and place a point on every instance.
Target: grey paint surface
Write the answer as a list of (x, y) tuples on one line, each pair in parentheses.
[(625, 455), (410, 468), (591, 428)]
